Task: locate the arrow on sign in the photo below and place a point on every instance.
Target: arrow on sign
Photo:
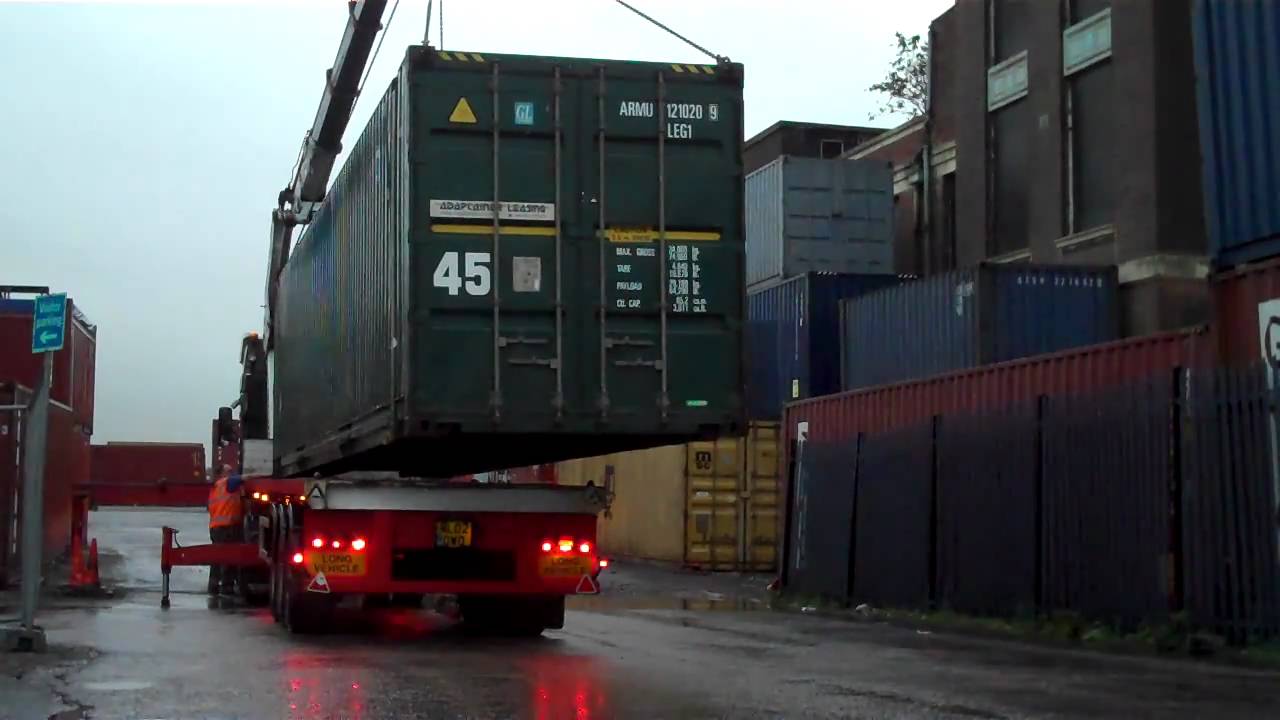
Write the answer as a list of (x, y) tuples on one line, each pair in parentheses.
[(47, 336)]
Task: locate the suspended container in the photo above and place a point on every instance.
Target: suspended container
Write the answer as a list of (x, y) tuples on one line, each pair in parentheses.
[(523, 260)]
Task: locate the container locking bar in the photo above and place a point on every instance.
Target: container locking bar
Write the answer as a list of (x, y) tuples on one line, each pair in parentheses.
[(495, 397), (664, 401), (604, 245), (558, 401)]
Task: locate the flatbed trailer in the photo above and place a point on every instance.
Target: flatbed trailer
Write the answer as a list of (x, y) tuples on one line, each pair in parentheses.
[(510, 554)]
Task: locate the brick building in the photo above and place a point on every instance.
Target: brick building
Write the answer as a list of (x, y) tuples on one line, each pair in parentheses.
[(1059, 131)]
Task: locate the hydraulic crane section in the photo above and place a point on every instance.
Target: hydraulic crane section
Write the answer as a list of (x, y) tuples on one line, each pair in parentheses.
[(323, 142)]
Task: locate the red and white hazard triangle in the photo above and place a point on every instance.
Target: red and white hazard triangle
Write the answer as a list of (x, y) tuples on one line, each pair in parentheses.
[(319, 584), (587, 586)]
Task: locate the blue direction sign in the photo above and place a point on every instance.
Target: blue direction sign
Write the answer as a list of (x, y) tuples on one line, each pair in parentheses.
[(49, 329)]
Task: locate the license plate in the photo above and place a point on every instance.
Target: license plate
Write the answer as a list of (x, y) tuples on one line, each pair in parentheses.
[(568, 566), (336, 564), (453, 533)]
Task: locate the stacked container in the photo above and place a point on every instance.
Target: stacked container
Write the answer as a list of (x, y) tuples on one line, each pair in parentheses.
[(818, 231), (1237, 67), (73, 365), (981, 315), (793, 334), (811, 215)]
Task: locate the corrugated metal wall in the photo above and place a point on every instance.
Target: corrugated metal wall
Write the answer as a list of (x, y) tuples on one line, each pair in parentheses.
[(807, 214), (337, 315), (1237, 71), (794, 338), (976, 316), (994, 386)]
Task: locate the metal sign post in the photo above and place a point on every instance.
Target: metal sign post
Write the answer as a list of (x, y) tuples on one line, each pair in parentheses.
[(48, 334)]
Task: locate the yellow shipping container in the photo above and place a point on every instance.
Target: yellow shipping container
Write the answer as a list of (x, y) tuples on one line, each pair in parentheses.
[(712, 505)]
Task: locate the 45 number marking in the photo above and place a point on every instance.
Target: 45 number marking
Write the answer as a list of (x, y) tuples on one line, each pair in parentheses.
[(473, 274)]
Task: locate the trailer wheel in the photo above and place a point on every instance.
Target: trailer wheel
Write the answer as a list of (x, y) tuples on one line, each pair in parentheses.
[(304, 614), (276, 552)]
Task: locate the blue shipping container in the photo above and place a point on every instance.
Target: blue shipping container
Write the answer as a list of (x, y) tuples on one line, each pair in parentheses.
[(793, 338), (1237, 74), (971, 317)]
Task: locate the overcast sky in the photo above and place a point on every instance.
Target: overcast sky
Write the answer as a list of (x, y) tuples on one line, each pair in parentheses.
[(142, 146)]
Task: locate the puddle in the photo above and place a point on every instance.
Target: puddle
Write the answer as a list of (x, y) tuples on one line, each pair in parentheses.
[(116, 685)]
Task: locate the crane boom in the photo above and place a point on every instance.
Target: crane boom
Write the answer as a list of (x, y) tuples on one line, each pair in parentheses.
[(323, 142)]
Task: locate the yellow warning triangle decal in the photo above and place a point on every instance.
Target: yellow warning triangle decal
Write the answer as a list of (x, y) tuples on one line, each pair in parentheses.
[(462, 113)]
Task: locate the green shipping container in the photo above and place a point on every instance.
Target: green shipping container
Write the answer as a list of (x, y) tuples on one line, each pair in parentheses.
[(601, 310)]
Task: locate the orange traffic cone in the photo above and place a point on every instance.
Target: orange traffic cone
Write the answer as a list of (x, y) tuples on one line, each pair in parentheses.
[(92, 574), (77, 562)]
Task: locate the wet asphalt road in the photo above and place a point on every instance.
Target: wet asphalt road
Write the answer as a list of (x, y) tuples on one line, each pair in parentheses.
[(650, 647)]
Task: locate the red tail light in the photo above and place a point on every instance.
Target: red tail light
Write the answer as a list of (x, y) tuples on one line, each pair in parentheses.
[(604, 563), (566, 545), (317, 542), (336, 544), (546, 546), (297, 558), (358, 544), (584, 548)]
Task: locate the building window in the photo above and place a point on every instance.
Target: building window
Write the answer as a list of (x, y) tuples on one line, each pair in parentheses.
[(1011, 171), (831, 149), (1086, 43), (1007, 82), (1090, 109)]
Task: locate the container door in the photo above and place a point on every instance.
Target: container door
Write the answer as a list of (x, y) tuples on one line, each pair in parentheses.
[(495, 351), (713, 535), (666, 260), (760, 499)]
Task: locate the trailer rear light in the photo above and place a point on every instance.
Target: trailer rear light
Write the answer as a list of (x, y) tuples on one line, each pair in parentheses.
[(584, 548), (604, 563), (257, 496), (266, 497), (546, 546), (336, 544), (297, 558), (566, 546), (317, 542), (358, 544), (302, 498)]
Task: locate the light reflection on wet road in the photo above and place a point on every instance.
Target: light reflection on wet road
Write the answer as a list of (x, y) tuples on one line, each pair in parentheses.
[(633, 656)]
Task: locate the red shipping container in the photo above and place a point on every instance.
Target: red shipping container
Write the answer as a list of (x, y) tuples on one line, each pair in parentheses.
[(73, 365), (66, 466), (147, 463), (1081, 370), (1241, 299)]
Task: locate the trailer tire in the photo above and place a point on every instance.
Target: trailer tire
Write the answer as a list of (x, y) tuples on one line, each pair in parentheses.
[(303, 614), (277, 567)]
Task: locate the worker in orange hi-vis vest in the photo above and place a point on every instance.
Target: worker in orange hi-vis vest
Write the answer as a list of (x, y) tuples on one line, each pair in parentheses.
[(226, 525)]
